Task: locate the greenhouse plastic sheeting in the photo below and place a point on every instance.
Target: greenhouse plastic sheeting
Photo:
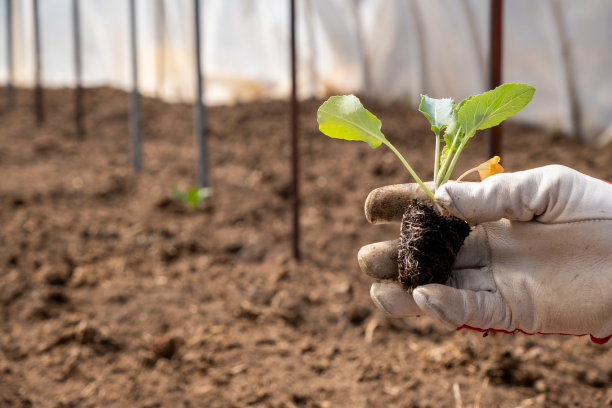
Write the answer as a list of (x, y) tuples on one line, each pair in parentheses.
[(392, 49)]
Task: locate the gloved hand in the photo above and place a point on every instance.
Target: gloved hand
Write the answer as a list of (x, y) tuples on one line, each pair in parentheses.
[(538, 261)]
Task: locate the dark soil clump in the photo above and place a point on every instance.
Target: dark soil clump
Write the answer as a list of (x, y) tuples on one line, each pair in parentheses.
[(429, 243)]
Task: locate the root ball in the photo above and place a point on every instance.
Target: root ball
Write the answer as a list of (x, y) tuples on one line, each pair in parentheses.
[(429, 243)]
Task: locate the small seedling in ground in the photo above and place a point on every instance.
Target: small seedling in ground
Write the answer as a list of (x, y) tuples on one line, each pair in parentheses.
[(192, 197), (429, 240)]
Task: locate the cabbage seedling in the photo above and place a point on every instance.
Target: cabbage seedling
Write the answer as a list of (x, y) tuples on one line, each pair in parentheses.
[(429, 241), (192, 197)]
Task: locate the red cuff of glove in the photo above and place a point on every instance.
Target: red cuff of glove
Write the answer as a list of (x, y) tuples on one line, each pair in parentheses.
[(595, 340)]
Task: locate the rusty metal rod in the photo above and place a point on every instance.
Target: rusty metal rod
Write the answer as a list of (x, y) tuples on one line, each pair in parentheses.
[(495, 68), (295, 196)]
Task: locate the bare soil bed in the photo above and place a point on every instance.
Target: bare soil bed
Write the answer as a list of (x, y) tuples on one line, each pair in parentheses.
[(112, 294)]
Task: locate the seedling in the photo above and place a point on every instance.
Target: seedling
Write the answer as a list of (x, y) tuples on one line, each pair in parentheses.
[(192, 197), (429, 240)]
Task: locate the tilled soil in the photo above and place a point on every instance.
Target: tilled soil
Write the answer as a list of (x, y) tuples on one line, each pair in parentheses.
[(113, 294)]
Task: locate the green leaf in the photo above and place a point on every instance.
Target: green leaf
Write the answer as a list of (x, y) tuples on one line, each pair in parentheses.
[(178, 194), (344, 117), (491, 108), (192, 197), (448, 144), (452, 131), (439, 112)]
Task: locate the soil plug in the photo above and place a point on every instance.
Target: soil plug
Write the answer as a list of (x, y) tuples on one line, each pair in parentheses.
[(428, 247)]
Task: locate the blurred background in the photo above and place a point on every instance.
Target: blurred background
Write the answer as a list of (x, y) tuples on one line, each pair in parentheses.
[(150, 225), (391, 49)]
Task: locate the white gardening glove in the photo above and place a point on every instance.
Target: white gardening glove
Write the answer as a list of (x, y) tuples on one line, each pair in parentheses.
[(538, 261)]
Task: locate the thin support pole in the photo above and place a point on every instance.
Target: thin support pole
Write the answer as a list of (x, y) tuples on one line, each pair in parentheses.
[(295, 196), (199, 105), (472, 26), (361, 46), (78, 75), (10, 90), (38, 91), (417, 19), (495, 68), (135, 96), (160, 33), (310, 33), (568, 70)]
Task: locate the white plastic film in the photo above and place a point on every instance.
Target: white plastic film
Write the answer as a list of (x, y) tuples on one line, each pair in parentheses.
[(394, 49)]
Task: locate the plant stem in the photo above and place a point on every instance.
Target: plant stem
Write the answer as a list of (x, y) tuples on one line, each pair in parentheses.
[(442, 170), (412, 173), (470, 171), (437, 159), (455, 157)]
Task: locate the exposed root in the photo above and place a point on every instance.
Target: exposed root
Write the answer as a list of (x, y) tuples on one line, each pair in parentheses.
[(429, 243)]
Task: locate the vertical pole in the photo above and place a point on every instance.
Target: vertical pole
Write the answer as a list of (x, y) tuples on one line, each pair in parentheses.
[(135, 96), (365, 63), (310, 33), (10, 90), (417, 19), (160, 32), (495, 68), (476, 40), (568, 69), (78, 92), (199, 105), (38, 91), (295, 197)]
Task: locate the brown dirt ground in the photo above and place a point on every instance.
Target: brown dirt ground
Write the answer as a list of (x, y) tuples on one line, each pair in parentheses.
[(114, 295)]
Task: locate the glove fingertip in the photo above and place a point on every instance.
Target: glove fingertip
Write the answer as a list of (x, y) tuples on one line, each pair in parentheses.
[(444, 197), (439, 302), (387, 204), (379, 259), (392, 299), (376, 298), (369, 206)]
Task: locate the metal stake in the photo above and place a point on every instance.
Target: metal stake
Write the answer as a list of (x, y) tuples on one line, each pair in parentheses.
[(295, 197), (361, 45), (417, 19), (495, 68), (160, 39), (78, 93), (38, 91), (199, 105), (568, 69), (10, 90), (135, 96)]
